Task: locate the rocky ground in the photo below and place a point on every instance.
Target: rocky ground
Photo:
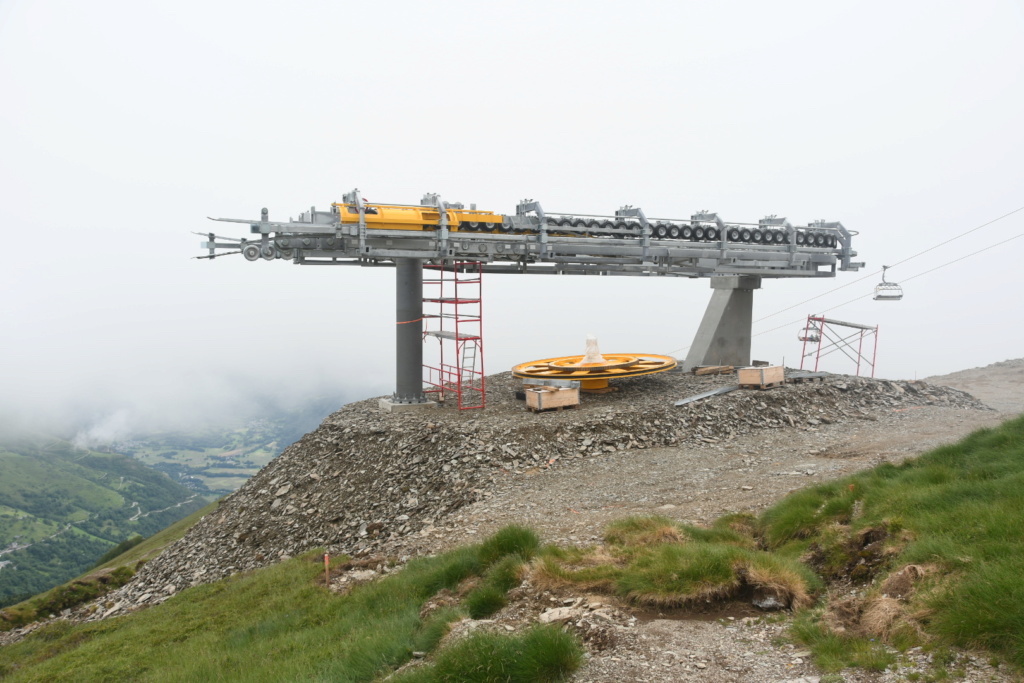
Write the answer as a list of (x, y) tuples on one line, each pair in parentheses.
[(373, 484)]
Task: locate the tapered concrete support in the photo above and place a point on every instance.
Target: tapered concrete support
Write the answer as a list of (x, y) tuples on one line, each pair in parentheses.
[(408, 337), (723, 337)]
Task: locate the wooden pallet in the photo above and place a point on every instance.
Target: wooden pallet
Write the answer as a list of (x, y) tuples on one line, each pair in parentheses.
[(807, 377), (770, 385), (713, 370), (556, 409)]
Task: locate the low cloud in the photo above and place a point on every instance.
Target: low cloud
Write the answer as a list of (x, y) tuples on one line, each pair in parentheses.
[(111, 428)]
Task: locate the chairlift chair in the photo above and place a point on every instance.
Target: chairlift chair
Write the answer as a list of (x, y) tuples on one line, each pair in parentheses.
[(887, 291), (811, 333)]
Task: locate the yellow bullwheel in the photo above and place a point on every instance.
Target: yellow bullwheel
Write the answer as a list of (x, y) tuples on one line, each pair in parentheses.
[(593, 369)]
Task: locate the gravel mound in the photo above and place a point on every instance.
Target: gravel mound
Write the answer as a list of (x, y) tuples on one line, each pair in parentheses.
[(367, 482)]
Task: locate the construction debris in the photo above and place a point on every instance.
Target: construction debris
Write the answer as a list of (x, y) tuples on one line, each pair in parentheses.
[(702, 370), (707, 394)]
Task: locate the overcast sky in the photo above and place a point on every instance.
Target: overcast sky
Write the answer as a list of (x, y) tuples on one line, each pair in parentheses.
[(124, 124)]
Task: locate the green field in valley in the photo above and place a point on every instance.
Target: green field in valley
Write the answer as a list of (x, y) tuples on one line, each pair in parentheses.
[(62, 507), (217, 461)]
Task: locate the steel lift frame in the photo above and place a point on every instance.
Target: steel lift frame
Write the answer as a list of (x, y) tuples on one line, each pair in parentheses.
[(527, 244)]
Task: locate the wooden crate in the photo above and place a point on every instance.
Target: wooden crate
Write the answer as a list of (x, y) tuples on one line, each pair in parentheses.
[(761, 377), (547, 398)]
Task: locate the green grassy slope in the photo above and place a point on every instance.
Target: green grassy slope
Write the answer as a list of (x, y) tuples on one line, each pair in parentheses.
[(61, 508), (956, 515), (101, 578), (280, 624)]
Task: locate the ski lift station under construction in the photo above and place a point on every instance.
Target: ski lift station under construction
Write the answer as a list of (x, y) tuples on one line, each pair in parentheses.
[(441, 251)]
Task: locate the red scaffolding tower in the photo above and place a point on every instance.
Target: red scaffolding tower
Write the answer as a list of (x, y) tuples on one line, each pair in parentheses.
[(829, 340), (454, 318)]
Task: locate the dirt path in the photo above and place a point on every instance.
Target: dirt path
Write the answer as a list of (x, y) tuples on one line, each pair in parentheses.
[(573, 503)]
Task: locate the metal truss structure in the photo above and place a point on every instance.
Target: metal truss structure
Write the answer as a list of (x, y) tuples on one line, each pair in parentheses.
[(824, 337), (535, 241), (734, 256)]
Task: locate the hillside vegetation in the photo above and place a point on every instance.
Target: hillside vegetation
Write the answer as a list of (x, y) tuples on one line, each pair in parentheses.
[(62, 508), (280, 624), (939, 541), (111, 571), (933, 548)]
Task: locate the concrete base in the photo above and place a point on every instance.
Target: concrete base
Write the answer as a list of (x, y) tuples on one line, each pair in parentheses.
[(723, 337), (388, 406)]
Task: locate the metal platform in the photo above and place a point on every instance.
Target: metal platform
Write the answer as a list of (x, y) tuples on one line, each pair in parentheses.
[(449, 334), (529, 243)]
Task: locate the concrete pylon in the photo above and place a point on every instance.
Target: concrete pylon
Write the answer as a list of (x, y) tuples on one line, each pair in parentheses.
[(723, 337)]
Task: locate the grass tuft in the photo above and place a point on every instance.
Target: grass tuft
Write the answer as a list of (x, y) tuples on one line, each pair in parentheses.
[(985, 609), (489, 597), (547, 654), (673, 575), (790, 582), (434, 628), (643, 531), (712, 564), (505, 574), (833, 652), (511, 540), (485, 601), (542, 654)]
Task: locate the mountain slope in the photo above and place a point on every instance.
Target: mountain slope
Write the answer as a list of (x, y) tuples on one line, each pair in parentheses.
[(998, 385), (61, 508), (367, 481)]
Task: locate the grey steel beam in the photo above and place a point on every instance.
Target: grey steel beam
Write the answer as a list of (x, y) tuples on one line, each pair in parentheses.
[(409, 331)]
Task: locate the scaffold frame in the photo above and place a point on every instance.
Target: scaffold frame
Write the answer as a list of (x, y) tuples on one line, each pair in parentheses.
[(826, 340), (453, 315)]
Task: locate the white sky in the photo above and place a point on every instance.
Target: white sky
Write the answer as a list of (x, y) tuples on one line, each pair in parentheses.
[(124, 124)]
